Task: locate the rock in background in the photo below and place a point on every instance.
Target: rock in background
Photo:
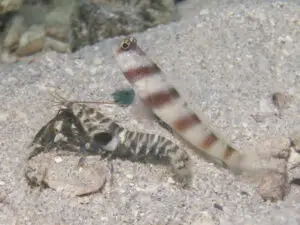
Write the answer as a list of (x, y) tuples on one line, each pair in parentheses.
[(93, 21), (33, 26)]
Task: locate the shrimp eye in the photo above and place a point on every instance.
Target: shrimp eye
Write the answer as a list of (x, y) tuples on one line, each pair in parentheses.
[(102, 138)]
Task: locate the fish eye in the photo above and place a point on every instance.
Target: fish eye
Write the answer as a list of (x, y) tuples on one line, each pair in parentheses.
[(125, 44)]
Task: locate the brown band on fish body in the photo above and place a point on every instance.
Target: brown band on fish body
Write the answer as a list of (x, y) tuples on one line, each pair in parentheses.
[(186, 122), (139, 73), (157, 100), (208, 141), (228, 152)]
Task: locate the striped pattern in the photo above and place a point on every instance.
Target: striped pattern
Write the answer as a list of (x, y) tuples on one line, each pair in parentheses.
[(164, 100), (78, 127), (59, 132), (185, 122), (106, 135), (140, 73), (157, 100)]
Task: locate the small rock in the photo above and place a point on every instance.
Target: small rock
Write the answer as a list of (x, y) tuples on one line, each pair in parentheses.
[(66, 177), (58, 159), (171, 180), (295, 139), (273, 186), (56, 45), (59, 16), (280, 100), (7, 57), (58, 23), (93, 21), (10, 5), (59, 32), (4, 19), (217, 206), (2, 196), (295, 181), (32, 40), (294, 157), (13, 33), (277, 147), (98, 177)]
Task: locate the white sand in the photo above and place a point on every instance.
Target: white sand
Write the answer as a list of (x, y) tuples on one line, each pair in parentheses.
[(225, 61)]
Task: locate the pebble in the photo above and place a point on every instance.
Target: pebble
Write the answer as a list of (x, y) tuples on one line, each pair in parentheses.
[(273, 186), (56, 45), (280, 100), (277, 148), (58, 159), (295, 138), (7, 57), (3, 196), (13, 33), (66, 177), (10, 5), (60, 15), (59, 32), (37, 26), (294, 159), (32, 40)]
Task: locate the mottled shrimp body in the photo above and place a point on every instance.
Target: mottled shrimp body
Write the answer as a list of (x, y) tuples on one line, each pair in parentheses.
[(87, 130), (166, 103), (109, 137), (155, 148), (57, 132), (100, 129)]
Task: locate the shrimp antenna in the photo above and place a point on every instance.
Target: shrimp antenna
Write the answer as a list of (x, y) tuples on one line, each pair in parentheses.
[(59, 100)]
